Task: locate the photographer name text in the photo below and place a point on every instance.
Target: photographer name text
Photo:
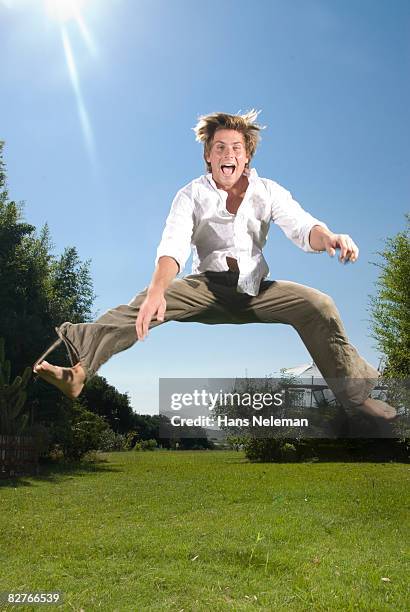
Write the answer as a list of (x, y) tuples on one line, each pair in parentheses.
[(224, 421)]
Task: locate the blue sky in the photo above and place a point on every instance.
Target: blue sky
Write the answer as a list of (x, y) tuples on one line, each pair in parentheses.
[(97, 117)]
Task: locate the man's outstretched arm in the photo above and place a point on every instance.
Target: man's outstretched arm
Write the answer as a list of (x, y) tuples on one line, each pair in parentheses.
[(172, 255), (155, 304), (322, 239)]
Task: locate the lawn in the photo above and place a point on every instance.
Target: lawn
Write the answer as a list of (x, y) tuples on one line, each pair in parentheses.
[(207, 530)]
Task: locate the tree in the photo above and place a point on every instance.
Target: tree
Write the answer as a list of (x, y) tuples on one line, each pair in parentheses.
[(13, 416), (390, 308), (13, 272), (71, 288), (104, 399), (38, 291)]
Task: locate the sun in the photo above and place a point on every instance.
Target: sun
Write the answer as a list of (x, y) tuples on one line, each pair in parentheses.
[(64, 10)]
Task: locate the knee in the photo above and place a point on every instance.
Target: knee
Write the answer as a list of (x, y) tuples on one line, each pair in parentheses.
[(323, 305)]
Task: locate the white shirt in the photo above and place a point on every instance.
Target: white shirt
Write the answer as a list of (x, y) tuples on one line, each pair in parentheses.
[(199, 219)]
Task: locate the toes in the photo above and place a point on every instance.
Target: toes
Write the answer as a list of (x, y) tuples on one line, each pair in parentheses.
[(43, 374), (391, 414), (40, 367)]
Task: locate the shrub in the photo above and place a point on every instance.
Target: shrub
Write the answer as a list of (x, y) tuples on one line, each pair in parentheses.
[(236, 443), (144, 445), (131, 438), (270, 449), (111, 441), (289, 452), (83, 434)]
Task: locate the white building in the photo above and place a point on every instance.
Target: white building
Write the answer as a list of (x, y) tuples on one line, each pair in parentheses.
[(309, 378)]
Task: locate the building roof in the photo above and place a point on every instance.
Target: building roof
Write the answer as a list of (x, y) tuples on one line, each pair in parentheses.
[(307, 370)]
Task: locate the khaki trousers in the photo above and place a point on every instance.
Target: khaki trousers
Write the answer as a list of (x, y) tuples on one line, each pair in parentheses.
[(211, 298)]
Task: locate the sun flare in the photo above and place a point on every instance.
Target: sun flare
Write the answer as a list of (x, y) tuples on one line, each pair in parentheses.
[(68, 13), (64, 10)]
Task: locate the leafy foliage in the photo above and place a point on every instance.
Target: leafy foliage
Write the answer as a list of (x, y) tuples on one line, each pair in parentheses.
[(390, 308), (270, 449), (111, 441), (106, 401), (71, 288), (38, 291), (13, 416), (146, 445), (81, 433)]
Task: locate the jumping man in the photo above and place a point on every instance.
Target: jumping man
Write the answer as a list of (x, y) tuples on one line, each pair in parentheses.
[(224, 217)]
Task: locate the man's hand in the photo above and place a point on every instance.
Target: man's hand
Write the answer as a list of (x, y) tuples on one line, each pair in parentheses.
[(322, 239), (349, 250), (153, 306)]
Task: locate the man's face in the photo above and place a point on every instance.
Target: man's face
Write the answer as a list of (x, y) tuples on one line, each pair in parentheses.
[(227, 157)]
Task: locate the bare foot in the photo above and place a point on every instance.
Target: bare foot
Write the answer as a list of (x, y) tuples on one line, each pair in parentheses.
[(377, 408), (70, 381)]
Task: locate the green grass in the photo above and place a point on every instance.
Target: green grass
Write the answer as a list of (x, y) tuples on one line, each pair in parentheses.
[(209, 531)]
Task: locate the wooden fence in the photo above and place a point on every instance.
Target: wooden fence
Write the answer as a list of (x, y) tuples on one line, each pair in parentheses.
[(18, 456)]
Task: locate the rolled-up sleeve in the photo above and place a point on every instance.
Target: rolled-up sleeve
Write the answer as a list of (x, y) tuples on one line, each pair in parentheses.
[(177, 234), (293, 220)]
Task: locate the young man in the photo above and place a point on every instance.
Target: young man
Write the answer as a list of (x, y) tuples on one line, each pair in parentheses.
[(225, 216)]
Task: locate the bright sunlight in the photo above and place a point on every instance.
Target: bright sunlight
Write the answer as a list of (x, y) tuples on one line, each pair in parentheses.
[(64, 10)]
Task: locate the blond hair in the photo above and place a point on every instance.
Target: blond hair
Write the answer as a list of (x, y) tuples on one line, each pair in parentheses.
[(245, 124)]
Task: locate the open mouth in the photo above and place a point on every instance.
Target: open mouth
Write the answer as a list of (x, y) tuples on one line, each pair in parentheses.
[(228, 169)]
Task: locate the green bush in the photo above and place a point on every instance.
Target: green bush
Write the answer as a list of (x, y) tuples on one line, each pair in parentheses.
[(144, 445), (236, 443), (131, 438), (83, 433), (270, 449), (289, 452), (111, 441)]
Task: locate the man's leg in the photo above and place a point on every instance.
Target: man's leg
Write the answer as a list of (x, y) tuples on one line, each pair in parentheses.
[(90, 345), (316, 319)]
